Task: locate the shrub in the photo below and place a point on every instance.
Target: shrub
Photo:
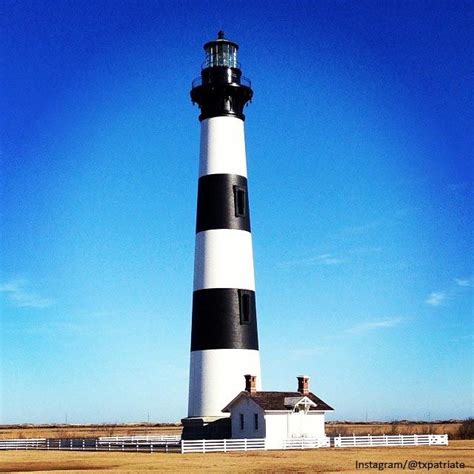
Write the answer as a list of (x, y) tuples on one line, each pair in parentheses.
[(466, 430)]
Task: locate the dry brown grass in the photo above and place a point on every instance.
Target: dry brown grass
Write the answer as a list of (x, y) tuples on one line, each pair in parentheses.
[(85, 431), (319, 460), (348, 429)]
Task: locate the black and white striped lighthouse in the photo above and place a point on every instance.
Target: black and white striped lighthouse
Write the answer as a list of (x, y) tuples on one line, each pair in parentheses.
[(224, 340)]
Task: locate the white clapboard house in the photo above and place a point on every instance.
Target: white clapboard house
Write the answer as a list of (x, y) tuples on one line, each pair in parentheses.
[(277, 415)]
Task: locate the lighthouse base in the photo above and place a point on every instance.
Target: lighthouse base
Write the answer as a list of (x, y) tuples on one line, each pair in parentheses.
[(206, 427)]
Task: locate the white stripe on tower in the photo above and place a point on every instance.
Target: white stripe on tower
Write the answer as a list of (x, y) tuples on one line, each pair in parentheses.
[(219, 134), (224, 341), (218, 374), (224, 259)]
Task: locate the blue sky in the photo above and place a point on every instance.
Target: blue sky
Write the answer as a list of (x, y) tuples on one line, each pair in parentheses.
[(359, 144)]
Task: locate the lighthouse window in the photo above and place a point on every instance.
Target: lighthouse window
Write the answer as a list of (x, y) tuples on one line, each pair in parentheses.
[(240, 199), (245, 306)]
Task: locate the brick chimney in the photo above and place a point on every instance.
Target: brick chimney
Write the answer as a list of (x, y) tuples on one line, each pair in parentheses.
[(303, 384), (250, 383)]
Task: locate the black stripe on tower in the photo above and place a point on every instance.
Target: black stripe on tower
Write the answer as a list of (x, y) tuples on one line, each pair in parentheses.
[(224, 318), (222, 203)]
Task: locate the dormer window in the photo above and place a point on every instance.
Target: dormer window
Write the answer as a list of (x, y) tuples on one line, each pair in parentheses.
[(299, 404), (304, 405)]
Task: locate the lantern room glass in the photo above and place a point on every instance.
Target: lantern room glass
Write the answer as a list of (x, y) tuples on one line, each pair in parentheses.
[(221, 54)]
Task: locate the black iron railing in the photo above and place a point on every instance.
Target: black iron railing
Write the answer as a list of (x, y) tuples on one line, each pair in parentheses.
[(244, 81)]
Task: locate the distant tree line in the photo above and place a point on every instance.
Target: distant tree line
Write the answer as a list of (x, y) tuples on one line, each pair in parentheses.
[(466, 430)]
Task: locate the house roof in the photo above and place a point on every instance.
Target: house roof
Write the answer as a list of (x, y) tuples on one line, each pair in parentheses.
[(276, 400)]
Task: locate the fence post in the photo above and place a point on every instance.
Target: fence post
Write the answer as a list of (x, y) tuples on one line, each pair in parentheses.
[(225, 445), (245, 444), (83, 444), (416, 439)]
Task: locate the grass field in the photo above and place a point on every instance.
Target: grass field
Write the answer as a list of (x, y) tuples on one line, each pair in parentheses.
[(311, 461), (404, 428), (85, 431), (332, 429)]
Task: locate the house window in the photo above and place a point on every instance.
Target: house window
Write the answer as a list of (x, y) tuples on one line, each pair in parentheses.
[(240, 201), (255, 417), (241, 421), (245, 302)]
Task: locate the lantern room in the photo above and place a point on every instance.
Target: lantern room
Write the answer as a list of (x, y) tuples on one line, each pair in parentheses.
[(221, 52)]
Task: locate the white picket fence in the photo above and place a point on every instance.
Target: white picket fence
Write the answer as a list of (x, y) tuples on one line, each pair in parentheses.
[(389, 440), (305, 443), (174, 443), (30, 443), (228, 445), (221, 445), (93, 444), (139, 439)]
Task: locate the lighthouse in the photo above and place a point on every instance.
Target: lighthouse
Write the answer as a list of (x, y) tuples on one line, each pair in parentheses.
[(224, 339)]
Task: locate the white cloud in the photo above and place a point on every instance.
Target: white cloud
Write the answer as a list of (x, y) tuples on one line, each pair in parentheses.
[(436, 298), (17, 293), (327, 259), (375, 325), (323, 259), (464, 282)]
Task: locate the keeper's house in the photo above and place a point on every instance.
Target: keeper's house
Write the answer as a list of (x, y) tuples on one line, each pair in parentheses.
[(277, 415)]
